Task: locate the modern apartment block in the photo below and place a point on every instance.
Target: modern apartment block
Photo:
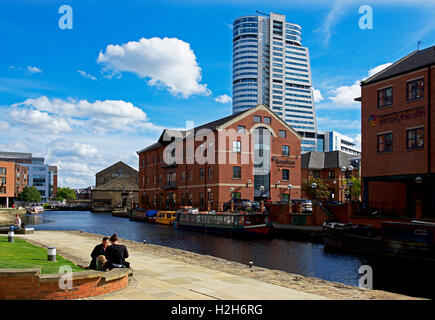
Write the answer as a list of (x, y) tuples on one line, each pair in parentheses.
[(13, 179), (334, 141), (42, 176), (271, 67)]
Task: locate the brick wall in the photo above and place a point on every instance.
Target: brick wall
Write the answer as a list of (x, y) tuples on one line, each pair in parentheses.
[(27, 284)]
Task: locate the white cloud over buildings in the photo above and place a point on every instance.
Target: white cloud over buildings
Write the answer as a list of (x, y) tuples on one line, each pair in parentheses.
[(167, 62)]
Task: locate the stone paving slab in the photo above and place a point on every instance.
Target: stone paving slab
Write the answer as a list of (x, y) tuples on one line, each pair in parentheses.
[(167, 279), (167, 273)]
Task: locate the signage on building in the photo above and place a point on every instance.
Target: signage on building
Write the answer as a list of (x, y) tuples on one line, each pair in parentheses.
[(283, 162), (120, 175), (396, 117)]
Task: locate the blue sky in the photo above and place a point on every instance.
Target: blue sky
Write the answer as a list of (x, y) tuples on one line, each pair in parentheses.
[(84, 99)]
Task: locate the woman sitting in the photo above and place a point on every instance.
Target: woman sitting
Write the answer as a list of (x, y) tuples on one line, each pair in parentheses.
[(116, 254)]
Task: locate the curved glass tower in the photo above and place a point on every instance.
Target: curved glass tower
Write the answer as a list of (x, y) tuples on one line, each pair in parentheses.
[(271, 67)]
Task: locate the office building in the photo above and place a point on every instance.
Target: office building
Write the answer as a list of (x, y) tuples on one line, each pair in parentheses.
[(271, 67), (40, 175), (398, 127), (334, 141), (249, 155)]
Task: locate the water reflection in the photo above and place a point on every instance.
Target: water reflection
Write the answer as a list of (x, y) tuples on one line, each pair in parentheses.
[(303, 258)]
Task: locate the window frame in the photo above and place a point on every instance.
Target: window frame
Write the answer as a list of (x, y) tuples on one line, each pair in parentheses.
[(288, 150), (240, 172), (384, 91), (384, 143), (282, 131), (237, 146), (415, 138), (258, 118), (288, 175), (270, 120), (408, 83)]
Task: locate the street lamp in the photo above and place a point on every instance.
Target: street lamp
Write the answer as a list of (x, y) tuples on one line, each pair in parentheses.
[(248, 183), (289, 199), (314, 187), (208, 200), (232, 199), (350, 189), (347, 173)]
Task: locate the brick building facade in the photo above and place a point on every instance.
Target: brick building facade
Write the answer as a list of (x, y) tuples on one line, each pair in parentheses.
[(398, 152), (13, 179), (249, 155), (328, 167)]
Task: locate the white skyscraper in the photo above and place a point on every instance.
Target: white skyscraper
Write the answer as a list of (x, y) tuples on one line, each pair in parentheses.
[(271, 67)]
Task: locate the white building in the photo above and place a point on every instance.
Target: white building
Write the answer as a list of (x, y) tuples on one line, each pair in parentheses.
[(271, 67), (333, 141), (40, 175)]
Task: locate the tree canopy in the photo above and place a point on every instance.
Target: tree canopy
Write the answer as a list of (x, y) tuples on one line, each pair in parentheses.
[(65, 194), (30, 194), (321, 192)]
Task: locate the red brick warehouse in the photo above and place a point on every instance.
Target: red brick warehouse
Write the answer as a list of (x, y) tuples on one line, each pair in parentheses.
[(398, 151), (231, 157)]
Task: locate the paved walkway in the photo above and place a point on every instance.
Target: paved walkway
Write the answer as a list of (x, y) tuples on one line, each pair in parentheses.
[(160, 278)]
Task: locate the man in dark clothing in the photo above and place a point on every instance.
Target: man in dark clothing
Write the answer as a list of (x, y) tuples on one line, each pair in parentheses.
[(116, 254), (99, 249)]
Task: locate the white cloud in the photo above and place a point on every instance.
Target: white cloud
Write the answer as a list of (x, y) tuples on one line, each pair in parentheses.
[(39, 121), (168, 62), (344, 96), (100, 115), (379, 68), (317, 95), (62, 148), (4, 125), (34, 69), (86, 75), (223, 98)]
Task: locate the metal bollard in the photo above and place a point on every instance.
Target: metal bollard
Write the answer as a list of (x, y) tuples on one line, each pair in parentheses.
[(51, 254), (11, 236)]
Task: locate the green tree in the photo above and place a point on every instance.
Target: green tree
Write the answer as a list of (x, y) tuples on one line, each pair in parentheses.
[(30, 194), (356, 188), (321, 192), (65, 194)]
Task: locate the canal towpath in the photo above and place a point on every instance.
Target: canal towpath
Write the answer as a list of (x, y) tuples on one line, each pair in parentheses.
[(165, 273)]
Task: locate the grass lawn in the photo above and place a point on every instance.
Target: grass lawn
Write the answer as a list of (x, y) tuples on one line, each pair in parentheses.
[(22, 254)]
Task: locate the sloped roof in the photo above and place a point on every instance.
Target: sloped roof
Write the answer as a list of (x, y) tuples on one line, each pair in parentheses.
[(325, 160), (414, 61), (118, 184), (116, 164), (167, 134)]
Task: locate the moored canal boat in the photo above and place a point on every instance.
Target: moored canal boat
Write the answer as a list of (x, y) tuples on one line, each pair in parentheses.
[(120, 212), (143, 215), (166, 217), (225, 222), (415, 239)]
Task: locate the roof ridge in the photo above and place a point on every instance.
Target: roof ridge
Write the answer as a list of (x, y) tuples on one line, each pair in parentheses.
[(390, 66)]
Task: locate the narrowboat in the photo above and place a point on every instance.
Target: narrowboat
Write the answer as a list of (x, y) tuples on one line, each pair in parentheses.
[(415, 239), (225, 222), (142, 215), (120, 212), (166, 217), (35, 210)]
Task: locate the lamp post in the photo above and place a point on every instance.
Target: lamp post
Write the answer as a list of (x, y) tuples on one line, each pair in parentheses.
[(289, 199), (131, 199), (350, 190), (418, 201), (347, 172), (261, 201), (314, 187), (231, 199), (208, 200)]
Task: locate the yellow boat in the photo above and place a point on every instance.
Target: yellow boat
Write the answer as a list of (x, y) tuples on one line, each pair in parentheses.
[(166, 217)]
